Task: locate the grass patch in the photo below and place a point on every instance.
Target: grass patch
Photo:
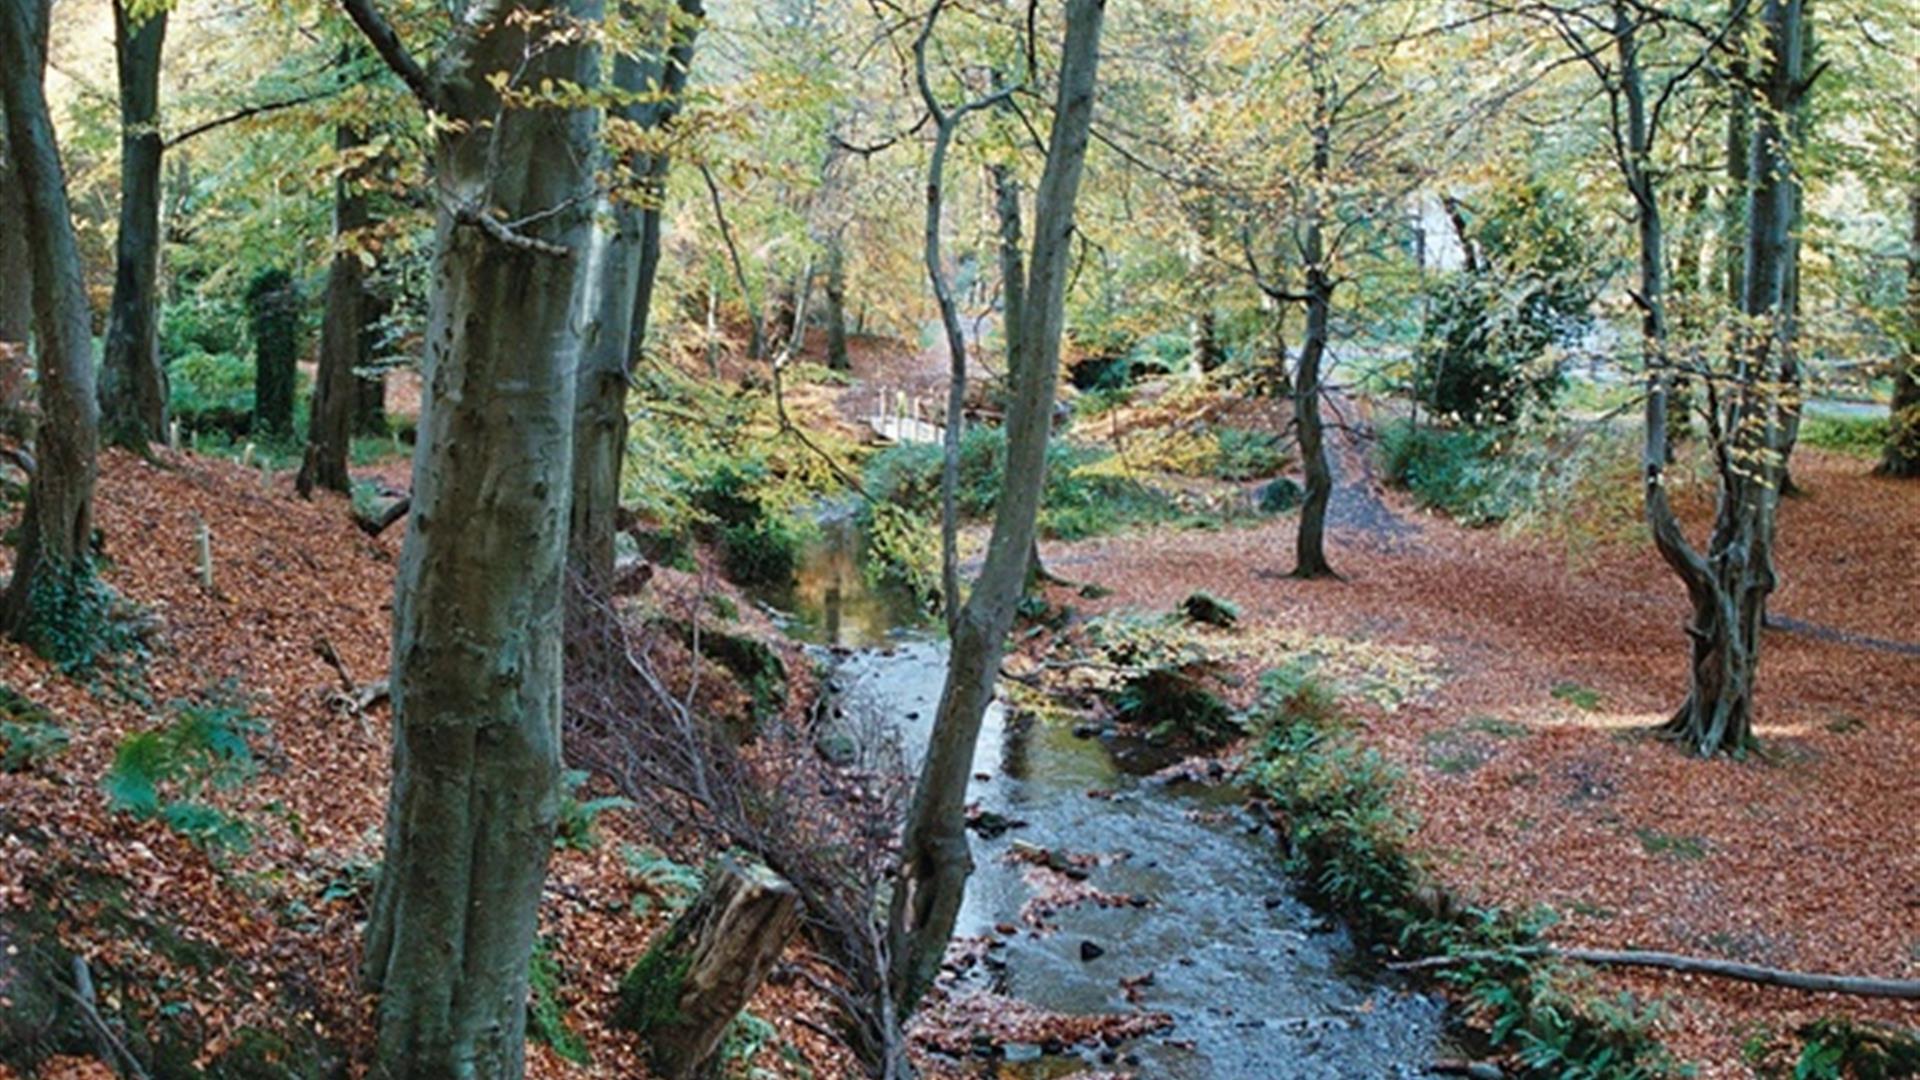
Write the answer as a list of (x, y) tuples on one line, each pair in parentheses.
[(1860, 436), (1584, 698), (1670, 846)]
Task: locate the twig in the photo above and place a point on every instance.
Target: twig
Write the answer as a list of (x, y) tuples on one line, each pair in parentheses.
[(81, 994)]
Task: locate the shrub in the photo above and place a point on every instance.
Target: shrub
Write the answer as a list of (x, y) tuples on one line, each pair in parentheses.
[(1454, 470), (577, 814), (1247, 455), (1840, 1049), (273, 313), (79, 623), (211, 391), (29, 736), (758, 544), (1862, 436)]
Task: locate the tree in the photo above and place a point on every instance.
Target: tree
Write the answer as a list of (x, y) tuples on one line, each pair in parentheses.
[(1902, 454), (935, 857), (16, 257), (653, 75), (53, 562), (343, 329), (133, 384), (476, 672), (273, 315), (1751, 422)]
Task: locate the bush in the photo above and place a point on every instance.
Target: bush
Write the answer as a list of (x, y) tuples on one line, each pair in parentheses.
[(1084, 495), (28, 734), (1484, 354), (578, 813), (758, 545), (211, 391), (1453, 470), (78, 623), (1862, 436), (1248, 455)]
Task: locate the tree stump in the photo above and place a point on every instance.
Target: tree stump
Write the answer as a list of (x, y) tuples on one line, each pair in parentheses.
[(691, 983)]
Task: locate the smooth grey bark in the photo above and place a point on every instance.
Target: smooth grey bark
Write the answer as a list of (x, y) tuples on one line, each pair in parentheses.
[(1733, 209), (477, 623), (343, 335), (1310, 542), (58, 520), (945, 125), (935, 858), (133, 383), (1753, 429), (836, 296), (1902, 454), (627, 263), (16, 257)]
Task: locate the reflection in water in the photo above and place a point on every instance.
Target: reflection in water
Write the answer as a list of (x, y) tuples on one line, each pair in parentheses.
[(833, 600)]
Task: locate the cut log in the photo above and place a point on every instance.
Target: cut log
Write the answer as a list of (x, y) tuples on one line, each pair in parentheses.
[(690, 985), (375, 524)]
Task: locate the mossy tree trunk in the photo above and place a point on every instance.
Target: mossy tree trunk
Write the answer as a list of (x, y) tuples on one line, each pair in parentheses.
[(693, 982), (935, 859), (628, 262), (58, 521), (343, 332), (133, 384), (476, 673), (16, 258), (836, 294)]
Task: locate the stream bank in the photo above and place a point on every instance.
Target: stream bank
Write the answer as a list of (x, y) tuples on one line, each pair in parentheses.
[(1099, 892)]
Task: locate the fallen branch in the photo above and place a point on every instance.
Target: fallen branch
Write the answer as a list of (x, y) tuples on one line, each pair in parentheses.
[(1811, 982), (374, 525), (109, 1047)]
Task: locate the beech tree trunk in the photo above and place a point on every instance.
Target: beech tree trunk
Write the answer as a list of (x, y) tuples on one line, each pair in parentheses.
[(1733, 210), (837, 358), (1729, 584), (627, 261), (16, 257), (935, 857), (1310, 543), (1902, 454), (343, 335), (691, 984), (133, 384), (58, 520), (476, 672)]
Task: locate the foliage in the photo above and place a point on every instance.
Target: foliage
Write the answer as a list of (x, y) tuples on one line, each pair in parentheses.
[(759, 545), (208, 390), (673, 883), (577, 814), (29, 737), (1484, 357), (167, 772), (546, 1013), (1204, 607), (1454, 470), (1861, 436), (1247, 455), (273, 319), (1087, 491), (79, 623), (1839, 1049), (650, 992)]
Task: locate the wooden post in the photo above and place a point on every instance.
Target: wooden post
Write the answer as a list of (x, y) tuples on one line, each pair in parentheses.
[(697, 977), (203, 549)]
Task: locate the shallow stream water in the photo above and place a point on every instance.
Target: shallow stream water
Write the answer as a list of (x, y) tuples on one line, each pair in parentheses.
[(1257, 984)]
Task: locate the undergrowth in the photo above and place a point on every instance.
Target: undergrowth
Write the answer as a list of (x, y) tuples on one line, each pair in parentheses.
[(1348, 844), (168, 772)]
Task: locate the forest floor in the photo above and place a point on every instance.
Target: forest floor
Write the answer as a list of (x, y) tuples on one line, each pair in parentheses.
[(1528, 764)]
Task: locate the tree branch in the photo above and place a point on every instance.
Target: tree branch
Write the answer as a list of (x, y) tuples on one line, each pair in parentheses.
[(379, 33)]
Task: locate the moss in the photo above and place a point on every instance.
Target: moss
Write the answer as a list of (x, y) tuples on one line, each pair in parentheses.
[(650, 992), (546, 1013)]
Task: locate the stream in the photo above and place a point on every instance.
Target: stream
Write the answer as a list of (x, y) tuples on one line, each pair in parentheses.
[(1201, 920)]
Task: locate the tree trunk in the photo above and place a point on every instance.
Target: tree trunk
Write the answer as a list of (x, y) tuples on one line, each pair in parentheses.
[(273, 311), (1733, 210), (343, 335), (476, 672), (837, 358), (691, 984), (58, 520), (133, 384), (802, 300), (1730, 586), (1902, 454), (935, 858), (626, 264), (16, 257), (1310, 543)]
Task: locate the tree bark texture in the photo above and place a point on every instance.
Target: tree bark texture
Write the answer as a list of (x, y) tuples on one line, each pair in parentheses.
[(935, 858), (476, 672), (343, 334), (16, 257), (273, 312), (691, 984), (836, 294), (1902, 454), (133, 383), (1310, 542), (58, 519), (626, 262)]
